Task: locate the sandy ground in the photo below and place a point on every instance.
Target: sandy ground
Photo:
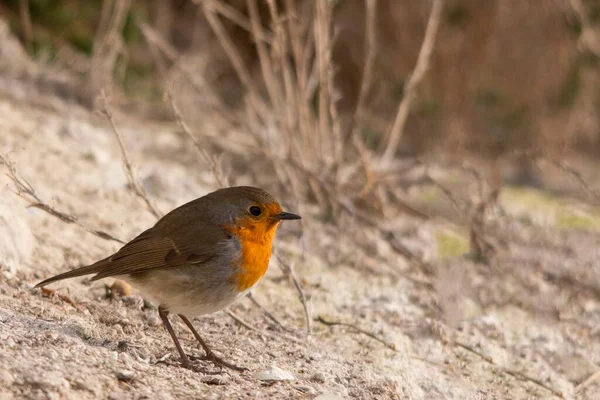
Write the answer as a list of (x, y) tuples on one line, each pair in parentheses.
[(527, 327)]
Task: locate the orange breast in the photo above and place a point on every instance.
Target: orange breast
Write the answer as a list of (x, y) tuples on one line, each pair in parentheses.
[(257, 241)]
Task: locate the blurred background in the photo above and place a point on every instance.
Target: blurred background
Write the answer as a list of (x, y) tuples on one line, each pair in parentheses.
[(503, 74), (444, 155)]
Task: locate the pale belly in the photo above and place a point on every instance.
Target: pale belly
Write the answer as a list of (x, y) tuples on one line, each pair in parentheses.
[(186, 291)]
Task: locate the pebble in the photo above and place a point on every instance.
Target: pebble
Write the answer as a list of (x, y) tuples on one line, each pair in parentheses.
[(305, 389), (125, 375), (125, 358), (275, 374), (318, 377), (153, 320)]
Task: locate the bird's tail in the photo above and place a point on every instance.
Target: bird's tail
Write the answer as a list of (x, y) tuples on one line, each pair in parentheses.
[(88, 269)]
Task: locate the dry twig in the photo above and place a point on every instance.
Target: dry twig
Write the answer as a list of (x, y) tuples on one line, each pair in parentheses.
[(589, 39), (259, 331), (371, 52), (138, 188), (25, 15), (587, 382), (356, 328), (27, 192), (414, 80), (513, 373), (289, 271), (266, 312), (49, 293), (211, 161)]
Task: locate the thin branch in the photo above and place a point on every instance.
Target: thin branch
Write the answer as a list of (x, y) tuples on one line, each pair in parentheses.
[(135, 184), (513, 373), (588, 381), (25, 15), (266, 312), (249, 326), (356, 328), (588, 38), (577, 177), (233, 54), (371, 53), (210, 161), (50, 292), (238, 18), (26, 192), (414, 81), (289, 271)]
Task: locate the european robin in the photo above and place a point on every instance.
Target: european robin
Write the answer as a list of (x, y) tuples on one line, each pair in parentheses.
[(199, 258)]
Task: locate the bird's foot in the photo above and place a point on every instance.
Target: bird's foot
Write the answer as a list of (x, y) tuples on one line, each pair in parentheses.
[(212, 357)]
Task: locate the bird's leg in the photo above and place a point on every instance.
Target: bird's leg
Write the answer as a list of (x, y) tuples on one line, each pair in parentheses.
[(210, 356), (163, 313)]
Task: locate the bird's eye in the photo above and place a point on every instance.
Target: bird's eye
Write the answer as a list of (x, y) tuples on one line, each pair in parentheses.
[(256, 211)]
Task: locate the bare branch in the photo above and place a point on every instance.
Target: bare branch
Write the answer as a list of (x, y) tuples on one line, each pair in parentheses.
[(238, 18), (588, 381), (371, 52), (25, 15), (589, 39), (289, 271), (266, 312), (512, 372), (389, 345), (26, 192), (134, 182), (211, 161), (413, 82), (249, 326)]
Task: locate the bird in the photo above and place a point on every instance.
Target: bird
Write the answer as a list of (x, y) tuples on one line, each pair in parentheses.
[(198, 259)]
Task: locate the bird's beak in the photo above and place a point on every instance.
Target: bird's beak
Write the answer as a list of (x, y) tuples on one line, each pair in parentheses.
[(285, 215)]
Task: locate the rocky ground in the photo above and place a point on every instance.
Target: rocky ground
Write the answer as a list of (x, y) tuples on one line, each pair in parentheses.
[(525, 327)]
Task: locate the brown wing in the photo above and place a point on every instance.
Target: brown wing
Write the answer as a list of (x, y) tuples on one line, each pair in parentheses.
[(193, 243)]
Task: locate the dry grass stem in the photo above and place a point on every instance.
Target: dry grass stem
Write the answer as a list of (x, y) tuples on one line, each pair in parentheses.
[(25, 15), (138, 188), (249, 326), (589, 39), (511, 372), (587, 382), (238, 18), (211, 161), (27, 192), (371, 53), (49, 293), (263, 53), (108, 45), (413, 82), (473, 213), (266, 312), (234, 56), (288, 270), (324, 321)]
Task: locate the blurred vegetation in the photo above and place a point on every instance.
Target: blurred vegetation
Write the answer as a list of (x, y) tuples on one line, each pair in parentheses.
[(505, 74)]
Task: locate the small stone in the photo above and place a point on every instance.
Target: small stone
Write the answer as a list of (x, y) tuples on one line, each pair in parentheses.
[(125, 375), (153, 320), (304, 389), (275, 374), (318, 377), (126, 359)]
